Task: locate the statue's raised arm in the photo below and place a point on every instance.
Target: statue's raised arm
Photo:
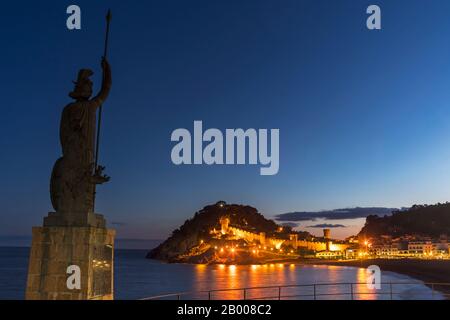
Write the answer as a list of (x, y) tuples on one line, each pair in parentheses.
[(100, 98)]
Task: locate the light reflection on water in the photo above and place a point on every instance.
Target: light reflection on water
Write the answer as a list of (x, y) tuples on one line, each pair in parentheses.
[(218, 277), (136, 278)]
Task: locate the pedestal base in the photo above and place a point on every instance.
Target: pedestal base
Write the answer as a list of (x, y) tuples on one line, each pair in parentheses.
[(56, 248)]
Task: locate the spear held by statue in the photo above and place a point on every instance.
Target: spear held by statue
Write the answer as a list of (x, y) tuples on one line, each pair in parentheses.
[(77, 172), (98, 170), (97, 143)]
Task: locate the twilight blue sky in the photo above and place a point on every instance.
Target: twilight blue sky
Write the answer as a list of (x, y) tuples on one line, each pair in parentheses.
[(364, 116)]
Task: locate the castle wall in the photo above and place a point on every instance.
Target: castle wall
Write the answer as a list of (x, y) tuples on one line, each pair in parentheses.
[(293, 241)]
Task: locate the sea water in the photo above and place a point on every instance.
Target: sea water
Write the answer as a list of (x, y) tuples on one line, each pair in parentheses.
[(136, 278)]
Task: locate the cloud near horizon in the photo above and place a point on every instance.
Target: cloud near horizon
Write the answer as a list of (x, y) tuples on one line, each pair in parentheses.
[(290, 224), (336, 214), (327, 225), (118, 223)]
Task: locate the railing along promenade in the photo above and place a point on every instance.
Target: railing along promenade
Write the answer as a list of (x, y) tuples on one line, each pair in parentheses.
[(318, 291)]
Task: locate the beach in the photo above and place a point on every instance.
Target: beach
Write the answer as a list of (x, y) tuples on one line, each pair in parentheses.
[(428, 271)]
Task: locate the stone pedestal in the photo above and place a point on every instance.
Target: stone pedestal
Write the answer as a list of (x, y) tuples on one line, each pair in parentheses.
[(55, 247)]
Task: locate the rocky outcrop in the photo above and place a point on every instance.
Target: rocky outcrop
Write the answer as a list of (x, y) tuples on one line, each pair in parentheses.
[(186, 243)]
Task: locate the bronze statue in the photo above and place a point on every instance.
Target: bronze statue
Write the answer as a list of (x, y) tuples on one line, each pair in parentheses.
[(75, 175)]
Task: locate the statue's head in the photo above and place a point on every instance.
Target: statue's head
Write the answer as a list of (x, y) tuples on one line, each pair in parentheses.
[(83, 85)]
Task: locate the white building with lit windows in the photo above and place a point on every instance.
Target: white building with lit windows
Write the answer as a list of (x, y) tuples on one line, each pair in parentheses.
[(420, 248)]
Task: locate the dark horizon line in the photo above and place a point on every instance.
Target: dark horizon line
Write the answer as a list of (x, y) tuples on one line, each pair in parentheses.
[(29, 236)]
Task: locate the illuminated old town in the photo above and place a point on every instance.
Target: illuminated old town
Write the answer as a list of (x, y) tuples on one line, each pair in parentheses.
[(231, 239)]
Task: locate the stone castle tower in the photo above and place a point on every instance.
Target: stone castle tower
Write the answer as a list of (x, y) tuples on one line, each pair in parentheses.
[(224, 223), (327, 237)]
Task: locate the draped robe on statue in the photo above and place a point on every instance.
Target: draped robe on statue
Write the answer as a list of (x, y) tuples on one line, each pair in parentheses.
[(72, 185)]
